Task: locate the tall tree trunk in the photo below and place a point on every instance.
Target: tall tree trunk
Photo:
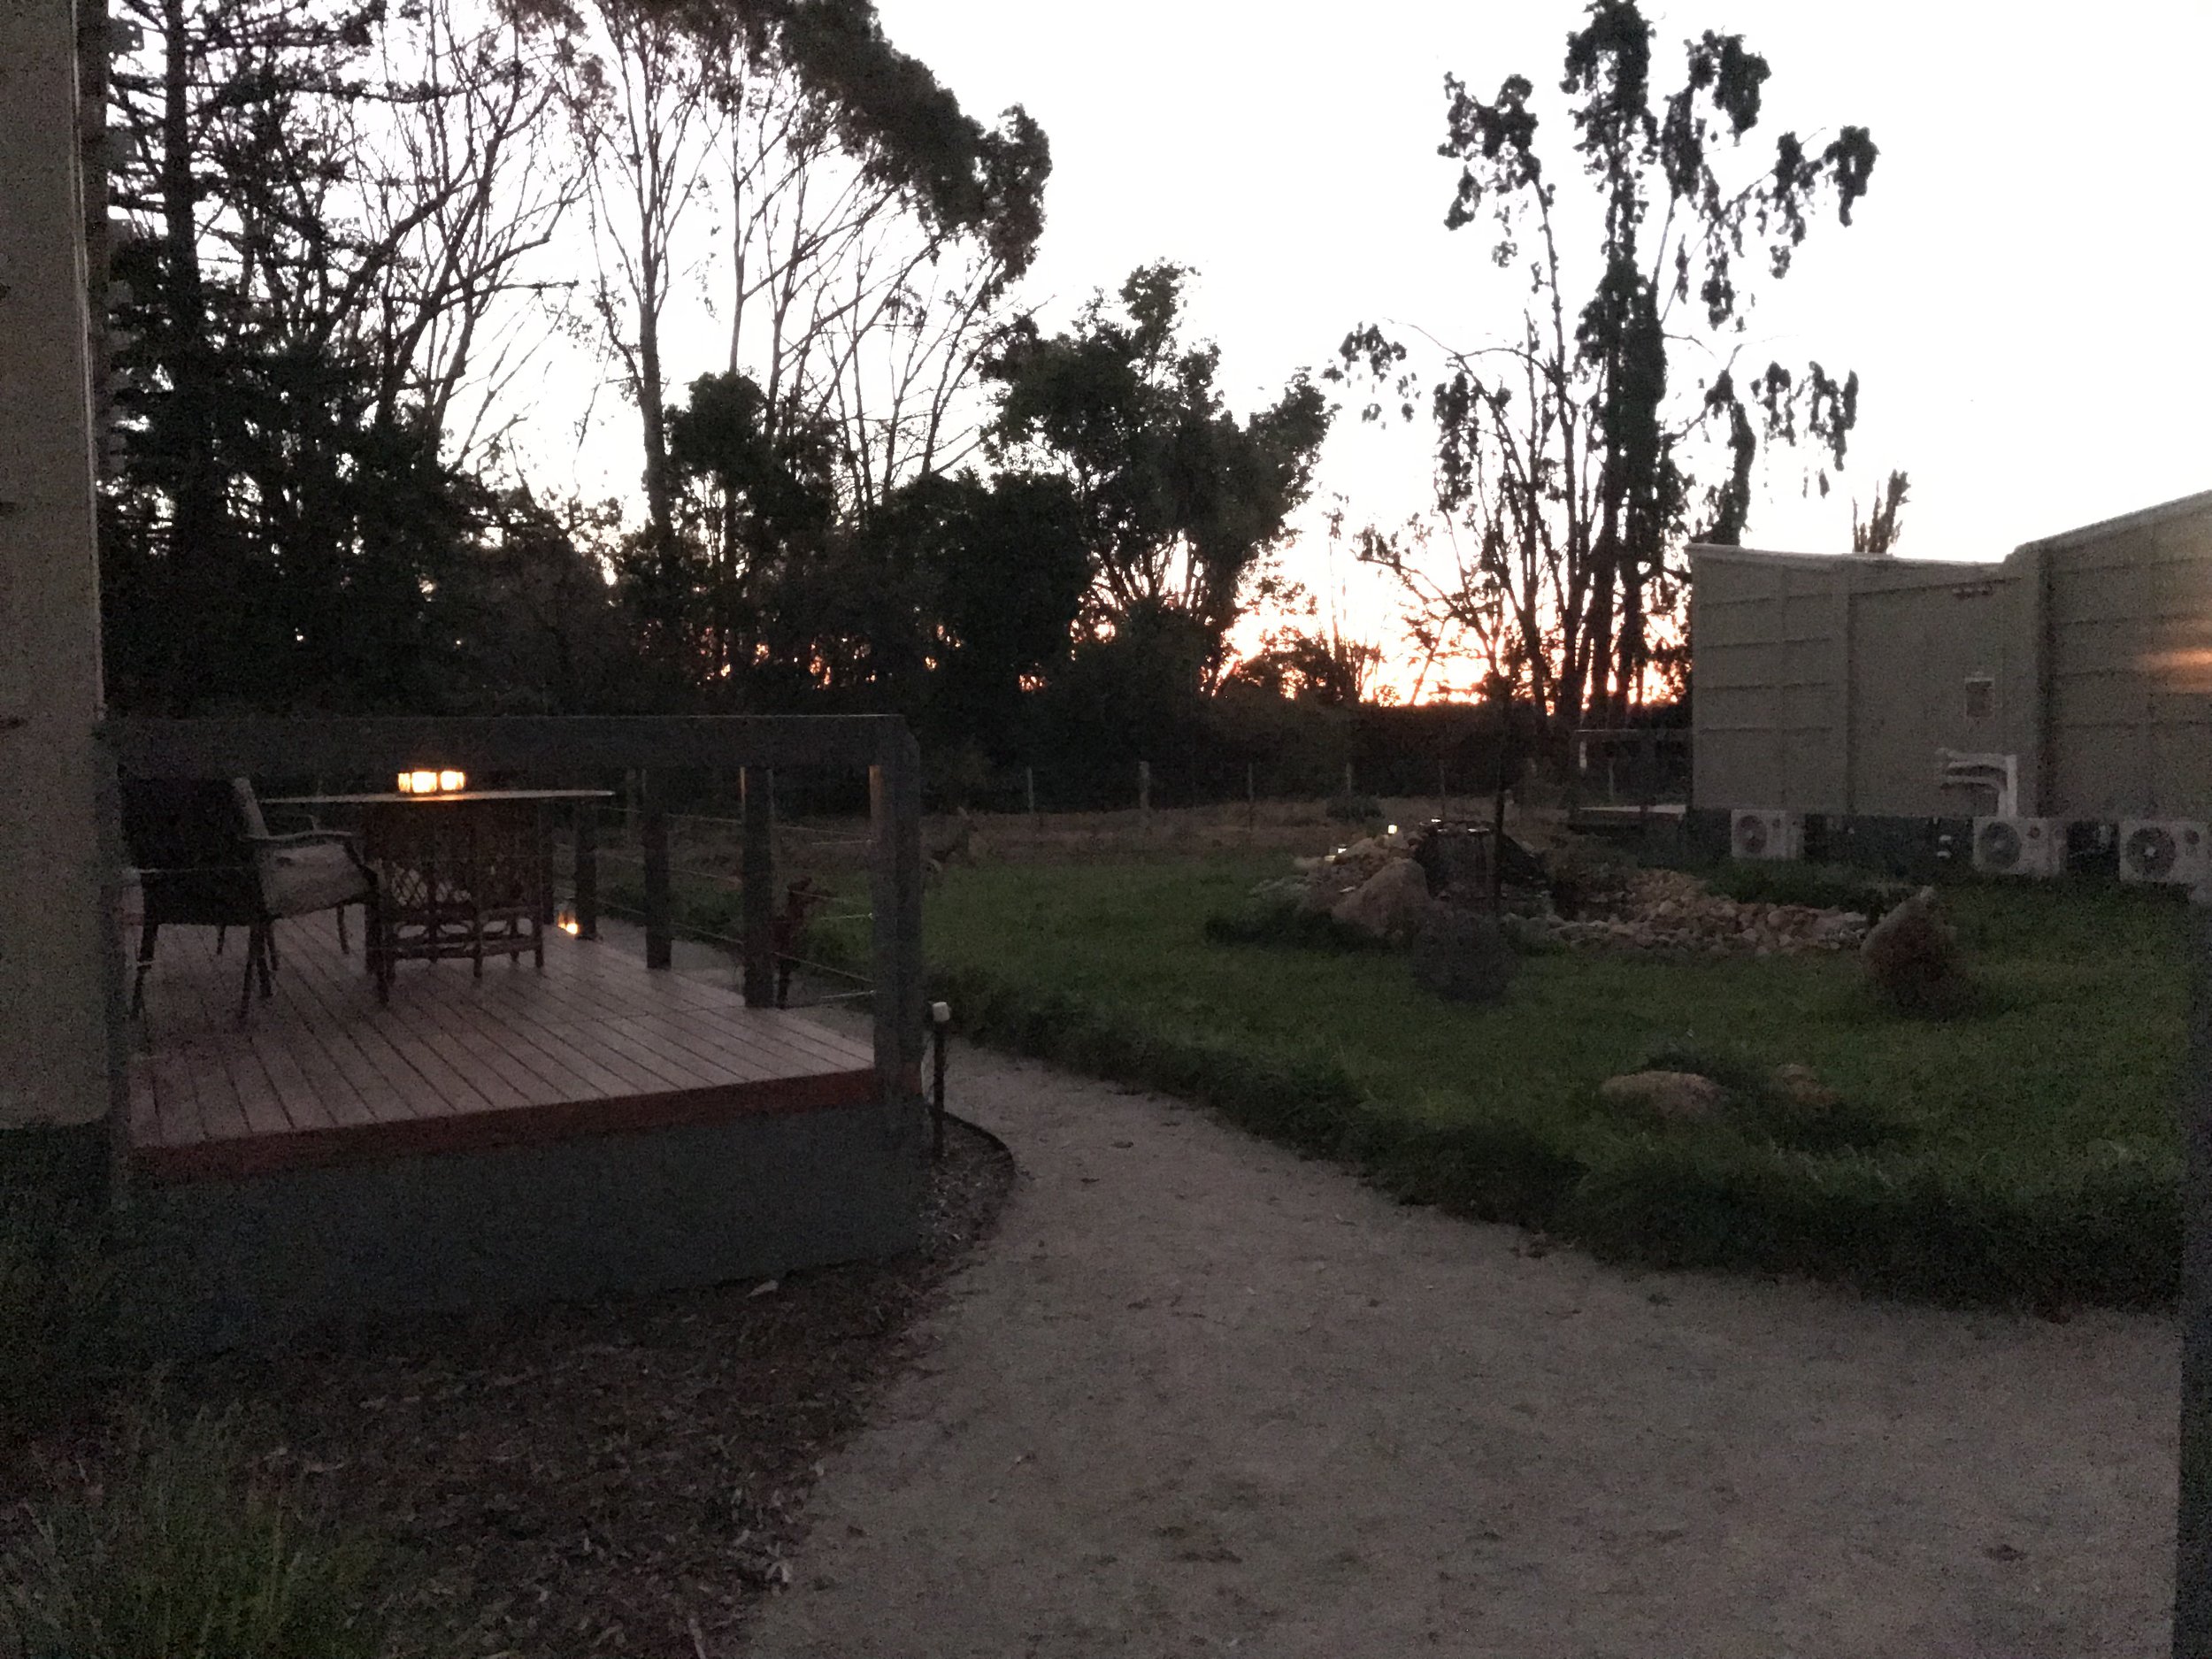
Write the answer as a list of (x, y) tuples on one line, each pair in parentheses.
[(1628, 682)]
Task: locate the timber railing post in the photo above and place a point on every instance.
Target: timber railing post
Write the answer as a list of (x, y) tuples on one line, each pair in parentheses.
[(587, 870), (2192, 1532), (653, 832), (758, 870), (894, 798)]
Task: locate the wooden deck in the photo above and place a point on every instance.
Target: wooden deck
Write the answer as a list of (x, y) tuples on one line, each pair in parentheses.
[(321, 1074)]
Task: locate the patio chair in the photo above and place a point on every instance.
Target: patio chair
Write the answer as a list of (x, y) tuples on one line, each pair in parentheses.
[(205, 858)]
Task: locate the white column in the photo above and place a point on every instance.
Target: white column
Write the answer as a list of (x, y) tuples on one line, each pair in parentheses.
[(54, 1030)]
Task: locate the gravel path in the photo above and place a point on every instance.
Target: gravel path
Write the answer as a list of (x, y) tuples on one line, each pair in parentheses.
[(1200, 1396)]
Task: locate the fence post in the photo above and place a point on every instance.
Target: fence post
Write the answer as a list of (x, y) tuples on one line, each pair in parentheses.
[(1443, 795), (660, 940), (2192, 1532), (757, 867), (1144, 795), (1348, 781), (587, 870), (1029, 792), (1251, 801), (894, 803)]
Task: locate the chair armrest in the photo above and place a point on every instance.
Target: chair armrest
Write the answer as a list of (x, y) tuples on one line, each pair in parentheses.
[(304, 838)]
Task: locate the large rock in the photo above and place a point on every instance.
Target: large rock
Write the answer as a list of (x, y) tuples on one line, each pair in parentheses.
[(1670, 1097), (1389, 904), (1913, 958)]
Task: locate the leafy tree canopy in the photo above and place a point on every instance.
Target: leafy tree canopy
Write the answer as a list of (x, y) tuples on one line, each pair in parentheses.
[(1181, 502)]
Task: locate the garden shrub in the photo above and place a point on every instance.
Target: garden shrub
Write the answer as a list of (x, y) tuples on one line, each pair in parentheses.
[(61, 1329), (1820, 887), (178, 1556)]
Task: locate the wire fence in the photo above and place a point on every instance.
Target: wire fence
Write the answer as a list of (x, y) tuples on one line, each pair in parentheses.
[(620, 842)]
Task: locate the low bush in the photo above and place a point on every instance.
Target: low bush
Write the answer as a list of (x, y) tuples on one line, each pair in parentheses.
[(1820, 887), (1353, 808), (61, 1334), (177, 1557)]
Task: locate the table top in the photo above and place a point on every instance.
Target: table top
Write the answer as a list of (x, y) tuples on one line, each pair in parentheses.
[(434, 800)]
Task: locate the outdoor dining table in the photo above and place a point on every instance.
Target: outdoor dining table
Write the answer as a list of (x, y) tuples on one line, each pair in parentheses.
[(460, 874)]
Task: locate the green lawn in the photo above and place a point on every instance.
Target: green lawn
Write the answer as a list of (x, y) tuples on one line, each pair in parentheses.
[(2036, 1154)]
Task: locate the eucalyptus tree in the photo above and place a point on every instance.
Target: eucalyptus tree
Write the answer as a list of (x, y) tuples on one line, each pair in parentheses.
[(1618, 417), (864, 233)]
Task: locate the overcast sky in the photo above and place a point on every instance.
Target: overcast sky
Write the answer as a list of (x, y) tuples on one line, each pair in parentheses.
[(2023, 292)]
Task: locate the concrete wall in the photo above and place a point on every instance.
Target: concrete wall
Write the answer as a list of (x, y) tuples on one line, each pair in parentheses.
[(251, 1261), (1827, 683), (55, 969), (2130, 664)]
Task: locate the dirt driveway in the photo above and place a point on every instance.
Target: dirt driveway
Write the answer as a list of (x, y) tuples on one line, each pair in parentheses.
[(1201, 1396)]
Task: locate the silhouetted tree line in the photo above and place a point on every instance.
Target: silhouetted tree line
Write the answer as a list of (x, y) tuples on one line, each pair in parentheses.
[(355, 229)]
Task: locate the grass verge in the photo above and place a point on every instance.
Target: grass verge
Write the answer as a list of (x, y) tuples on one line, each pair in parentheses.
[(2025, 1155)]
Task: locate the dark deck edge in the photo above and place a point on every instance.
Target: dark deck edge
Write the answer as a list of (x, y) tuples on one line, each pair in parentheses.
[(498, 1127)]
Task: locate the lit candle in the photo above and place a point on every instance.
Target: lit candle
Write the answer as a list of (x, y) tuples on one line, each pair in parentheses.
[(452, 782)]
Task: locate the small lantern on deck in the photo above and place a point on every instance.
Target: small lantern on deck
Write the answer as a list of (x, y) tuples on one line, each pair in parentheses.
[(565, 918), (433, 782)]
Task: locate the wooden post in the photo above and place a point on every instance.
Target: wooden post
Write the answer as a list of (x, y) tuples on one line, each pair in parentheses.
[(1029, 788), (2192, 1532), (1497, 806), (1348, 781), (894, 799), (587, 870), (653, 831), (758, 868), (1144, 795), (1443, 794), (1251, 799)]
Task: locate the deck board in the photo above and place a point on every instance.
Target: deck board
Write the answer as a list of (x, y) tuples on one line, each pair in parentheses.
[(322, 1073)]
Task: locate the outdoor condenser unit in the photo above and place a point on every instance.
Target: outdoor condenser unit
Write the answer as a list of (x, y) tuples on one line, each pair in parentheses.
[(2020, 846), (1766, 833), (2171, 850)]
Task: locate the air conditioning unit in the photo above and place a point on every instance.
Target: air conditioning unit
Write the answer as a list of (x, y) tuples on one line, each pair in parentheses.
[(1766, 833), (2020, 846), (2171, 850)]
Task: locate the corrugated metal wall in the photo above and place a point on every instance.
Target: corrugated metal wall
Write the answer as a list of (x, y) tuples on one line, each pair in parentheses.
[(1828, 684)]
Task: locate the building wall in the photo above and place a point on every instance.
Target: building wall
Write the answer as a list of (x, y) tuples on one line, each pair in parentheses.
[(1827, 684), (1768, 683), (2130, 666), (56, 970)]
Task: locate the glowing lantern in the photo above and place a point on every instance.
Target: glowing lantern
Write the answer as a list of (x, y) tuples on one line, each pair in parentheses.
[(451, 782), (432, 782)]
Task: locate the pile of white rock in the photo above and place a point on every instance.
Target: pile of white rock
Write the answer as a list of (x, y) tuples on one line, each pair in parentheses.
[(1374, 886), (1668, 910)]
